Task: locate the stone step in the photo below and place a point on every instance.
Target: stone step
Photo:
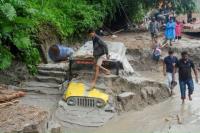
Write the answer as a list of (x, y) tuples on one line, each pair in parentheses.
[(54, 66), (61, 74), (43, 90), (49, 79), (41, 84)]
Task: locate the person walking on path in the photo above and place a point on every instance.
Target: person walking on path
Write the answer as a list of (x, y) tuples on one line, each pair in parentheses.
[(170, 31), (100, 53), (178, 30), (168, 65), (185, 65), (154, 29)]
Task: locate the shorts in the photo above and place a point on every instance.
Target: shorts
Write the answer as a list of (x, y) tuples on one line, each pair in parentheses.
[(169, 80), (190, 86), (100, 60), (170, 83)]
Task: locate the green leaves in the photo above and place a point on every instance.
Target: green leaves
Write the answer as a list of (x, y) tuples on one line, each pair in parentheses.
[(17, 3), (16, 27), (5, 57), (31, 57), (8, 11), (22, 41), (184, 6)]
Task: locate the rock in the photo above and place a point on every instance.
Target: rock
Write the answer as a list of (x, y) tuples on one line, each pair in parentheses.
[(52, 73), (126, 95), (40, 84), (56, 130), (126, 99), (31, 129), (54, 66), (23, 119), (144, 94), (49, 79), (54, 127)]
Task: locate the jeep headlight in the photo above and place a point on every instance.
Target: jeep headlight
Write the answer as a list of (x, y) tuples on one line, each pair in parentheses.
[(99, 103), (71, 101)]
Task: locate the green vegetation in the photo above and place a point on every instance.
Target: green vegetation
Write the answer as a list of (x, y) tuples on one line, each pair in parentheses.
[(184, 6), (21, 19)]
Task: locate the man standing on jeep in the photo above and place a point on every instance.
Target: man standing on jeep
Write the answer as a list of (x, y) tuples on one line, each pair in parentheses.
[(100, 53)]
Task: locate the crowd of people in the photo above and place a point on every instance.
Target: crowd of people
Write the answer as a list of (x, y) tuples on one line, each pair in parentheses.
[(171, 63), (185, 66), (172, 33)]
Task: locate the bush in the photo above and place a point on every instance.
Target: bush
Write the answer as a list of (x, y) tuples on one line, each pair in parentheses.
[(20, 20)]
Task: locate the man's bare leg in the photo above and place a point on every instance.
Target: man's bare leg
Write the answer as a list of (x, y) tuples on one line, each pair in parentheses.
[(105, 70), (95, 77), (190, 97), (183, 101)]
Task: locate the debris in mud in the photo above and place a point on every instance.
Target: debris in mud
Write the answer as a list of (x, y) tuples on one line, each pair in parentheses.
[(22, 118), (176, 118), (19, 118), (54, 127), (7, 95), (179, 120), (2, 105)]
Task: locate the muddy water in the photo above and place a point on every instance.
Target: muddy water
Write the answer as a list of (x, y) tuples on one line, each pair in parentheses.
[(169, 116), (162, 117)]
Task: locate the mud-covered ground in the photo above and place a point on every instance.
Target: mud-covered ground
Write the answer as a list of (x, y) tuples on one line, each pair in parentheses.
[(150, 110), (169, 116)]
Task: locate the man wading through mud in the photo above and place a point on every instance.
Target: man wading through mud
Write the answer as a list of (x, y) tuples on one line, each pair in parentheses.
[(185, 75), (100, 53), (168, 65)]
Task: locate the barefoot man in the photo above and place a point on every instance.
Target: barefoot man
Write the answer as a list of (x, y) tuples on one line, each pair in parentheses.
[(185, 65), (100, 53), (168, 65)]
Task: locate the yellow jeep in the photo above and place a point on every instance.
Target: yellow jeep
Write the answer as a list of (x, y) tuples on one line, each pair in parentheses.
[(76, 94)]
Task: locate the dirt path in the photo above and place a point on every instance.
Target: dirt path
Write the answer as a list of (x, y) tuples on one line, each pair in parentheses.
[(132, 40)]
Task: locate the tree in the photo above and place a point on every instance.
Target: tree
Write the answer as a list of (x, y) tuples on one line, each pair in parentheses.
[(183, 6)]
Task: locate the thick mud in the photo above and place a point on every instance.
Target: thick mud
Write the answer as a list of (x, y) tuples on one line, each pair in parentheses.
[(168, 116)]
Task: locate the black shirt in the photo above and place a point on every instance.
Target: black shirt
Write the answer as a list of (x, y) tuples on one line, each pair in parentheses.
[(99, 47), (169, 61), (185, 69)]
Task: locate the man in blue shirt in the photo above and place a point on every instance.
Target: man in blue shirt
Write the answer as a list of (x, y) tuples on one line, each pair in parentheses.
[(168, 67)]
